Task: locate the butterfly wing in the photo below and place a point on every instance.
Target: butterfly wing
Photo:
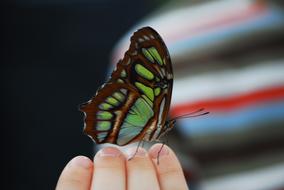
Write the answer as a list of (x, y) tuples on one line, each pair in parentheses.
[(134, 103)]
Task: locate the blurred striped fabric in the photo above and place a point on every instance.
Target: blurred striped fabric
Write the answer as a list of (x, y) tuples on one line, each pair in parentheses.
[(228, 57)]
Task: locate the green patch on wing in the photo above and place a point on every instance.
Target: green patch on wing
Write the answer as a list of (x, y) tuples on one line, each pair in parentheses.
[(135, 121), (104, 115), (123, 74), (119, 96), (105, 106), (146, 90), (155, 54), (120, 81), (111, 100), (148, 55), (147, 100), (101, 136), (157, 91), (103, 125), (144, 72)]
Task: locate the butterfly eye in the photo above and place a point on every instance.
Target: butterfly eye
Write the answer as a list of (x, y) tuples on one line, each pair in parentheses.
[(162, 84)]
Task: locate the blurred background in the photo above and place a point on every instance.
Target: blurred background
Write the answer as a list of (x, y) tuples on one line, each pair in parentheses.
[(228, 57)]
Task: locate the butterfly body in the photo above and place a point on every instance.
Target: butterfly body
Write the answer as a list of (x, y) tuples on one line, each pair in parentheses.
[(134, 103)]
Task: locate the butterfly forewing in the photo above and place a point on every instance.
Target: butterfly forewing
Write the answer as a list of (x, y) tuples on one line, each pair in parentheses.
[(134, 103)]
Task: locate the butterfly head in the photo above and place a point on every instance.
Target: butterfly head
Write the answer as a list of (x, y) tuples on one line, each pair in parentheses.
[(169, 125)]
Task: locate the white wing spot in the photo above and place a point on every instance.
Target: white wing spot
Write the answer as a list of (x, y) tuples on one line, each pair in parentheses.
[(146, 37), (140, 39)]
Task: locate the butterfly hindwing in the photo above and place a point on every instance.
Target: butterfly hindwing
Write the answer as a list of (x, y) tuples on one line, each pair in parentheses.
[(147, 50), (134, 102)]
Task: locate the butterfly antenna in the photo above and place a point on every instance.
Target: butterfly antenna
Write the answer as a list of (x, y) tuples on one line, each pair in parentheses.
[(192, 114), (158, 157), (139, 143)]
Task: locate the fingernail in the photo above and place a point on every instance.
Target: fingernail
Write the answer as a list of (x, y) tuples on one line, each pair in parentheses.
[(133, 152), (81, 161), (159, 150), (109, 151)]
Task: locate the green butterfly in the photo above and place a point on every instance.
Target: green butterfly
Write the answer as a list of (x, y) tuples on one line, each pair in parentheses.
[(134, 103)]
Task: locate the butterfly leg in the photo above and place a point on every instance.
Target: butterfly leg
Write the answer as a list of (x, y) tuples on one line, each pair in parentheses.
[(139, 143), (142, 144), (158, 157)]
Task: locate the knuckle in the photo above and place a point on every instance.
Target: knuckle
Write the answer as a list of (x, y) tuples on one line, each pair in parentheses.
[(170, 172)]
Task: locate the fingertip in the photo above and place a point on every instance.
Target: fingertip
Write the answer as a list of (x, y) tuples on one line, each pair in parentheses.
[(136, 152), (168, 167), (108, 152), (81, 161), (109, 163), (163, 156), (76, 175), (159, 150), (140, 167)]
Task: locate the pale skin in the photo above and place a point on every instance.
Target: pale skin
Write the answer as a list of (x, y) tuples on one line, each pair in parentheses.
[(111, 170)]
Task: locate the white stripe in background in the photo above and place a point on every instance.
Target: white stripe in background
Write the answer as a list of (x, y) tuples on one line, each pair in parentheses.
[(228, 82), (172, 26)]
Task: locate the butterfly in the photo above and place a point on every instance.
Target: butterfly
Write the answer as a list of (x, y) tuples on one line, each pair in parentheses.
[(133, 105)]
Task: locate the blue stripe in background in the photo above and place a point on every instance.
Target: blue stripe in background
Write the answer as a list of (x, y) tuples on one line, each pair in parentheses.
[(246, 118), (273, 18)]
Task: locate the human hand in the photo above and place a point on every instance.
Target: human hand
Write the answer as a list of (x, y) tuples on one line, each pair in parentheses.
[(112, 171)]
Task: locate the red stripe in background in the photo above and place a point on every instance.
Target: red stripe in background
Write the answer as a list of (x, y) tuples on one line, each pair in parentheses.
[(231, 103)]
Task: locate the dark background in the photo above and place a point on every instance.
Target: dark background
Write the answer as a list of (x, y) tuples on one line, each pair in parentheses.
[(55, 56)]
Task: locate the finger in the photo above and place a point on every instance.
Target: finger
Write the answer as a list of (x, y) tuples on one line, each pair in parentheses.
[(109, 170), (141, 172), (169, 171), (77, 175)]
